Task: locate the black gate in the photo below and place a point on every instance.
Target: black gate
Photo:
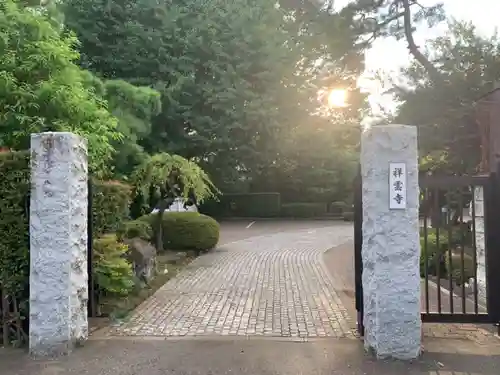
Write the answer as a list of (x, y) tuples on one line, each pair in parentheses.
[(449, 233), (358, 244)]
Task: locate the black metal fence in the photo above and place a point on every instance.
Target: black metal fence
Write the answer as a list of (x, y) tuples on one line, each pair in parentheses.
[(450, 229), (448, 264)]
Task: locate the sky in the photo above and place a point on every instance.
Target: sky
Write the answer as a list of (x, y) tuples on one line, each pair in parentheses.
[(389, 55)]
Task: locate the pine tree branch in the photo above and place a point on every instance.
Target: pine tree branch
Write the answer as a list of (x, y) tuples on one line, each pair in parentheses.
[(433, 72)]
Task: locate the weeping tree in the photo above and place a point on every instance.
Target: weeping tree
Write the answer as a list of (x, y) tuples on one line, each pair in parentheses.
[(165, 177)]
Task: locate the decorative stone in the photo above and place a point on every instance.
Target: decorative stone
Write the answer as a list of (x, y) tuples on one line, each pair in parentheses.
[(143, 257), (58, 244), (391, 245)]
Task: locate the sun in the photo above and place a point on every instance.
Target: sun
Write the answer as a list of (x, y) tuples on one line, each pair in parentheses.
[(337, 98)]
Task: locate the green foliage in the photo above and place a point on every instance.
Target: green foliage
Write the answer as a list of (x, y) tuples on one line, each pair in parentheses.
[(433, 249), (110, 206), (239, 84), (134, 107), (384, 18), (135, 228), (348, 216), (41, 89), (301, 209), (187, 231), (445, 112), (157, 172), (14, 222), (244, 205), (113, 273), (338, 208), (460, 273)]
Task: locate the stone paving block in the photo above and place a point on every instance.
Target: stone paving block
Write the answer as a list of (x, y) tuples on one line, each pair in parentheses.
[(274, 285)]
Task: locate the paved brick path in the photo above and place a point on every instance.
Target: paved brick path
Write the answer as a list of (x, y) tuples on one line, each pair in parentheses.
[(272, 285)]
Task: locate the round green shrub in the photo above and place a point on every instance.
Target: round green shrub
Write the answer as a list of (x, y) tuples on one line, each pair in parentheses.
[(135, 229), (187, 230), (460, 275)]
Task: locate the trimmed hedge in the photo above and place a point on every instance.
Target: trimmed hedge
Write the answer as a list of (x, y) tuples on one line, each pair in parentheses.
[(244, 205), (187, 230), (14, 223), (136, 228), (110, 206), (338, 208), (303, 209)]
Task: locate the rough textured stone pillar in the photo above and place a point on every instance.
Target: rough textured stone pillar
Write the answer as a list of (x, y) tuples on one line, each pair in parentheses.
[(391, 245), (480, 241), (58, 244)]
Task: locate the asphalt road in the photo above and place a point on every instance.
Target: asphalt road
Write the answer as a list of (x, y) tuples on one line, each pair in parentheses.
[(242, 229)]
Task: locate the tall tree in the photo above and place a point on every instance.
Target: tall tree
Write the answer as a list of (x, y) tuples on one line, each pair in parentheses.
[(382, 18), (42, 89), (445, 113), (134, 107), (236, 78)]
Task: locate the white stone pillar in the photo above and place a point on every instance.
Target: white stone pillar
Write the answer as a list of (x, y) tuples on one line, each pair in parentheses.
[(391, 244), (478, 216), (58, 244)]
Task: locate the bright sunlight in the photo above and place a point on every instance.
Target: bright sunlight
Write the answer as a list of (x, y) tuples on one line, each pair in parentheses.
[(337, 98)]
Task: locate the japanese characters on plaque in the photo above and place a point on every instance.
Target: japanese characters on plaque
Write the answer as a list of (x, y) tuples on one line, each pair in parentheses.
[(397, 186)]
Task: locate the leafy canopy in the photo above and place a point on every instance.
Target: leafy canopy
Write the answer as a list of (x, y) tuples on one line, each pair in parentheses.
[(445, 112), (164, 170), (42, 89), (237, 79)]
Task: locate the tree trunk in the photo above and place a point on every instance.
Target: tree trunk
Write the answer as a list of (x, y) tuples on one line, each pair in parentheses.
[(158, 229)]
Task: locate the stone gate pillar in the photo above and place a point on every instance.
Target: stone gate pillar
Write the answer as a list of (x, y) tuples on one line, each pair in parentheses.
[(58, 244), (391, 244)]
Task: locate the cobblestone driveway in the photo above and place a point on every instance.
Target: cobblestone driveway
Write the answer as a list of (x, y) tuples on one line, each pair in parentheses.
[(272, 285)]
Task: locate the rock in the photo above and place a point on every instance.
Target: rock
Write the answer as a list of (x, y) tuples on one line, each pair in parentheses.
[(143, 257)]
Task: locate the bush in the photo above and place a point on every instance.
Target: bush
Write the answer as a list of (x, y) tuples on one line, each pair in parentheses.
[(303, 209), (244, 205), (338, 208), (14, 223), (113, 273), (135, 228), (458, 274), (187, 230), (110, 206), (432, 256), (348, 216)]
